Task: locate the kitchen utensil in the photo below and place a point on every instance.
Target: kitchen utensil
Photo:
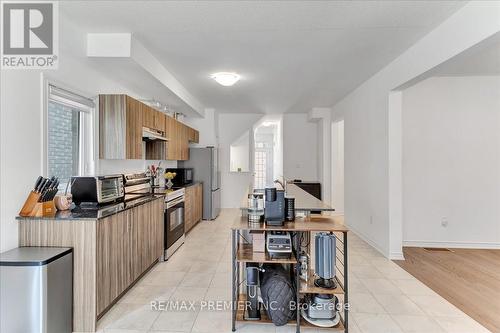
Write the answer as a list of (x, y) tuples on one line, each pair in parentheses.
[(255, 208), (322, 311), (252, 310), (304, 266), (63, 202), (33, 197)]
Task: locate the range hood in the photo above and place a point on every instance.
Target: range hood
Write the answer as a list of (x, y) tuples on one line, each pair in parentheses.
[(149, 134)]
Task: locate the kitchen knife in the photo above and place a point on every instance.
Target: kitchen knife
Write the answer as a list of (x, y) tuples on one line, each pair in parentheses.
[(38, 182), (42, 185)]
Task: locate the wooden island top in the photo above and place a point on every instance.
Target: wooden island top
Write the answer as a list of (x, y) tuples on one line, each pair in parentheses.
[(311, 223)]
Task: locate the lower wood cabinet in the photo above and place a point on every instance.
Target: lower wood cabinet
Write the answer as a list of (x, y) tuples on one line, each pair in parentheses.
[(193, 205), (128, 243), (109, 254)]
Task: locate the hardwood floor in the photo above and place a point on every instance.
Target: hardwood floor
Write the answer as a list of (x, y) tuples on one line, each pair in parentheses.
[(469, 279)]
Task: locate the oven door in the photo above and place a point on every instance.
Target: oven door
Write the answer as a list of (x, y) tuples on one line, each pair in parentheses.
[(174, 222)]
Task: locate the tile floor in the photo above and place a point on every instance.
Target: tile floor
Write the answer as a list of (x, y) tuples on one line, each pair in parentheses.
[(383, 297)]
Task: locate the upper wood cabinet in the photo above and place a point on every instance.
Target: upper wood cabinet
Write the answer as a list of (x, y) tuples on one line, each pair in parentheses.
[(193, 135), (121, 121), (120, 127), (152, 118)]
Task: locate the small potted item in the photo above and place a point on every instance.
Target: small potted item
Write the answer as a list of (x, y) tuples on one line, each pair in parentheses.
[(169, 176), (64, 201)]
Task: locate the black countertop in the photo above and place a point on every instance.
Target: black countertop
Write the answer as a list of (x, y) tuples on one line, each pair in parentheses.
[(93, 212)]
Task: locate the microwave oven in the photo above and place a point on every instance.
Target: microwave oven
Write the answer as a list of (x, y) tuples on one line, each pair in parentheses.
[(98, 189), (183, 177)]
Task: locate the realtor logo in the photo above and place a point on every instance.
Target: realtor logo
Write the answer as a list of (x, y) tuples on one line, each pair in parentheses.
[(29, 35)]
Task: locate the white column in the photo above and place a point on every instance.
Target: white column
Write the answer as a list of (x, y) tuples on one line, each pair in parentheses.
[(323, 116)]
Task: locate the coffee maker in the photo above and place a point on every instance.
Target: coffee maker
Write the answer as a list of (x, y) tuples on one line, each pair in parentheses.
[(274, 207)]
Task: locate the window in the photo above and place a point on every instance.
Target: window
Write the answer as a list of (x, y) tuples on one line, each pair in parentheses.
[(69, 134), (260, 169)]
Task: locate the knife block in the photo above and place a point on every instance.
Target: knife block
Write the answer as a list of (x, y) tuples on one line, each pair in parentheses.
[(40, 209), (49, 208), (30, 204)]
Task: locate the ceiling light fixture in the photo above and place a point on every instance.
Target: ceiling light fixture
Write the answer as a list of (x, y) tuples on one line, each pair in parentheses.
[(226, 79)]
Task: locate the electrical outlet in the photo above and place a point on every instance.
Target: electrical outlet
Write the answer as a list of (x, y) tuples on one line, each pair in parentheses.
[(444, 221)]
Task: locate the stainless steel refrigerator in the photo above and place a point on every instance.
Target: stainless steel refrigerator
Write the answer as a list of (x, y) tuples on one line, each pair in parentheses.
[(205, 162)]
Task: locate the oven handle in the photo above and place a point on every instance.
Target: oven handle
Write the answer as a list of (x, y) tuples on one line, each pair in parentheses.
[(174, 202)]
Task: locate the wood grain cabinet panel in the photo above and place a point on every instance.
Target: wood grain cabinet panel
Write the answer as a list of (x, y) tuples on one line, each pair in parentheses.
[(121, 120), (120, 127), (198, 202), (188, 208), (113, 258), (110, 254), (193, 205)]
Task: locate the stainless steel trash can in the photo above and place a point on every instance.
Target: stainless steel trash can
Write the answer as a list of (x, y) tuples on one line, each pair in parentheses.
[(36, 290)]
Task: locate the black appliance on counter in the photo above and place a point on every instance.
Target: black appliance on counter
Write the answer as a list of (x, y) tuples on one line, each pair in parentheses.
[(274, 206), (183, 177), (97, 189), (313, 188)]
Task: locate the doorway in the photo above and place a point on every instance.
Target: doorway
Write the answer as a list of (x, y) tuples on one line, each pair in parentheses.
[(268, 152)]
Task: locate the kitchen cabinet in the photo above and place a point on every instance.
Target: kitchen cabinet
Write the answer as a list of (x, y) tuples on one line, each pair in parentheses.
[(128, 243), (109, 254), (121, 122), (193, 205), (120, 127), (178, 136), (193, 135), (152, 118), (184, 134)]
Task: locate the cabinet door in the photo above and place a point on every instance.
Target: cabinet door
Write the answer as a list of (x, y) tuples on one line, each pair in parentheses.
[(172, 135), (184, 130), (134, 115), (146, 235), (189, 207), (199, 202), (158, 120), (147, 116), (113, 259), (193, 135)]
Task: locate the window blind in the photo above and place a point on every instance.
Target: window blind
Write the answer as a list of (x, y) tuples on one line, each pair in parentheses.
[(69, 98)]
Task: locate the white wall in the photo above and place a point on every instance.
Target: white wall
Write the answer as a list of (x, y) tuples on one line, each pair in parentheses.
[(337, 201), (365, 111), (451, 162), (234, 185), (21, 122), (300, 154), (207, 128), (239, 154)]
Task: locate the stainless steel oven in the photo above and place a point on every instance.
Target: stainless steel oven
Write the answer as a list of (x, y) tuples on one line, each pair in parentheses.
[(174, 221)]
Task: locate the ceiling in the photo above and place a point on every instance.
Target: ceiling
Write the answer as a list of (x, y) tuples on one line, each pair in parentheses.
[(481, 59), (292, 55)]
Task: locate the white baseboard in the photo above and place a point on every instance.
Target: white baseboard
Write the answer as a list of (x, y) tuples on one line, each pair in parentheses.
[(396, 256), (455, 245), (367, 240)]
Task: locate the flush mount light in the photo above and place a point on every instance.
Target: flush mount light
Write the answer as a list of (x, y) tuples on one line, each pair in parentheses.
[(226, 79)]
